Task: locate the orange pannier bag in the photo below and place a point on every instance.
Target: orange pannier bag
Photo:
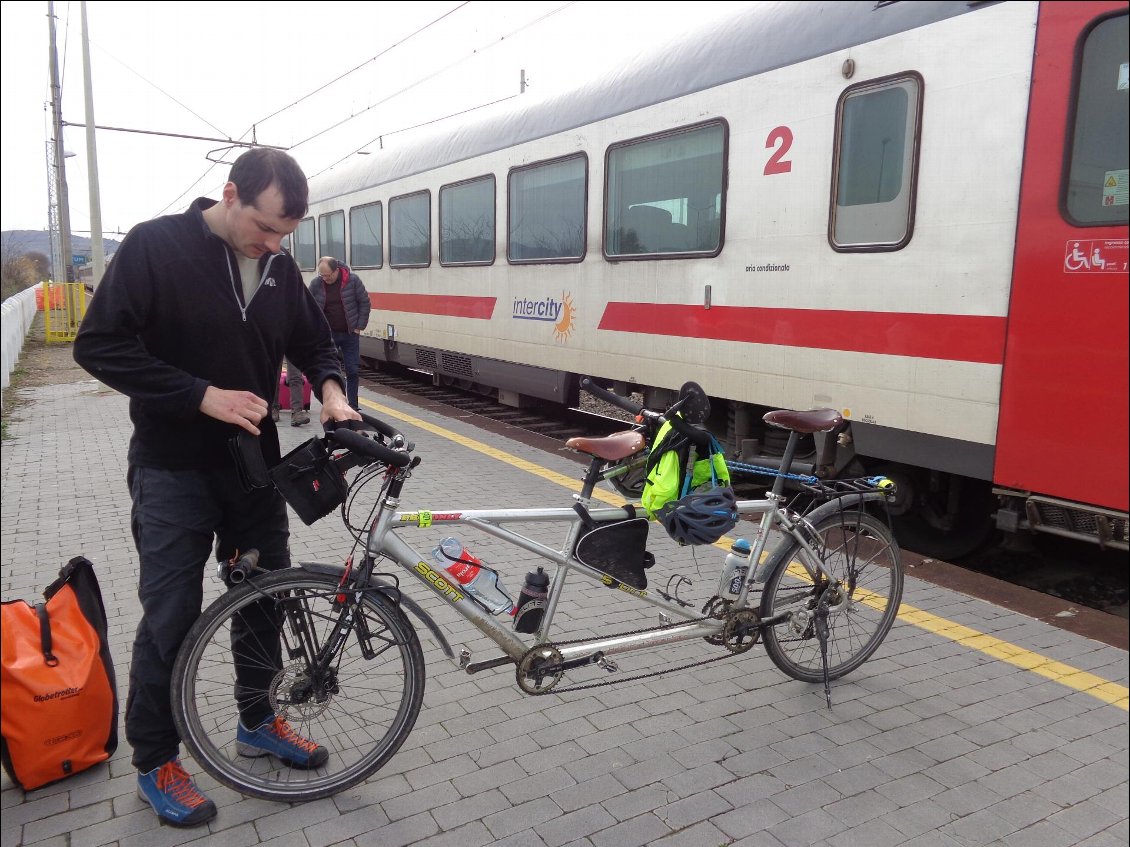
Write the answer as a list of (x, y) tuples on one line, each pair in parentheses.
[(60, 703)]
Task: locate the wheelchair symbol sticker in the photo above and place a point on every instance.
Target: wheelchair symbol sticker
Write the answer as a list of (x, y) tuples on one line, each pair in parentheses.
[(1096, 256)]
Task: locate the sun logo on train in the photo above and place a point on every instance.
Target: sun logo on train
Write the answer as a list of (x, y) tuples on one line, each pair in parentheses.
[(564, 326)]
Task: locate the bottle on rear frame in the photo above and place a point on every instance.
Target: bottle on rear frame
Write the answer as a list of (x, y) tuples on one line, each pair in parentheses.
[(735, 570), (531, 602), (481, 583)]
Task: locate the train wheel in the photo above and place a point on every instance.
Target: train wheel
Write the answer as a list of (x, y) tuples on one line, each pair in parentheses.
[(940, 515)]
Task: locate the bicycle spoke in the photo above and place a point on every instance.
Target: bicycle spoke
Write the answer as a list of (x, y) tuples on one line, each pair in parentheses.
[(360, 709)]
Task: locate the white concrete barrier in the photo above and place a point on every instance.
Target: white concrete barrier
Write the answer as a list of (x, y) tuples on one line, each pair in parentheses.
[(18, 315)]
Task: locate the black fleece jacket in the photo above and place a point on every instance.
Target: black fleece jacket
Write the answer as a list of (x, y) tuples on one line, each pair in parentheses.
[(168, 320)]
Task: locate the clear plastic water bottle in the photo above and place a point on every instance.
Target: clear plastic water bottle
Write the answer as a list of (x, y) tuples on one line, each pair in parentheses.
[(481, 583), (733, 574)]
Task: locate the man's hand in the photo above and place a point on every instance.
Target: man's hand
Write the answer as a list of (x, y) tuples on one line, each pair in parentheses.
[(335, 405), (242, 408)]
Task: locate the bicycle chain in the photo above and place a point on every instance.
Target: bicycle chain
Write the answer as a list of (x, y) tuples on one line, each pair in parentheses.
[(556, 644)]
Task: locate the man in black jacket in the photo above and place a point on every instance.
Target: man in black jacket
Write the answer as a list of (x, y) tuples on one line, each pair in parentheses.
[(190, 322)]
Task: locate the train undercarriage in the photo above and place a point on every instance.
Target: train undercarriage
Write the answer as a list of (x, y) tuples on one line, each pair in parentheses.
[(938, 512)]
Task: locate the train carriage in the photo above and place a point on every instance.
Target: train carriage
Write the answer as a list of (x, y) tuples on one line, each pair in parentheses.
[(914, 213)]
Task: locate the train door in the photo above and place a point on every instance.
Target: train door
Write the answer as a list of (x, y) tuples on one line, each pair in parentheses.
[(1062, 431)]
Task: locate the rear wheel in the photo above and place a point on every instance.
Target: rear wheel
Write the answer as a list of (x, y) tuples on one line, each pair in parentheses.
[(861, 589), (360, 703)]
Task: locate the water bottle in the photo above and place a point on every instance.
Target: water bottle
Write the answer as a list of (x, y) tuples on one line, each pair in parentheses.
[(480, 582), (733, 574), (531, 602)]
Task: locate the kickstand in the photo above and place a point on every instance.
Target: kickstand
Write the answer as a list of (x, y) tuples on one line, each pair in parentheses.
[(822, 637)]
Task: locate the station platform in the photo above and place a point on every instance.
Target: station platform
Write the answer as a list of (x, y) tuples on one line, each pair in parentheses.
[(972, 725)]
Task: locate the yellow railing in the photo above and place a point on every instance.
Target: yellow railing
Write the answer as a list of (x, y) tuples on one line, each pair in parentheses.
[(64, 305)]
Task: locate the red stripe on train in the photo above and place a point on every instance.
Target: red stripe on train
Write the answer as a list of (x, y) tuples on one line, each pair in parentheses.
[(453, 305), (959, 338)]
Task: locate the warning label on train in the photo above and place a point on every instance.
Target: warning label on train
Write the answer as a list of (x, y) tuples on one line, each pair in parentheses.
[(1096, 256)]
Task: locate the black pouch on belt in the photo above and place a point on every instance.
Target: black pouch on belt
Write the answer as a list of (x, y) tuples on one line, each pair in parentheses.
[(249, 461)]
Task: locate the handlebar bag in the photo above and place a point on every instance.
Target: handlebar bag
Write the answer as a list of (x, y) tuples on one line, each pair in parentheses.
[(60, 703), (309, 481)]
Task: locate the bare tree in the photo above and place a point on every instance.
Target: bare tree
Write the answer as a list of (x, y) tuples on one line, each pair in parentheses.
[(16, 269)]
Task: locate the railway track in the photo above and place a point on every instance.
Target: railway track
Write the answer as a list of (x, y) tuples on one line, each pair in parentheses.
[(1071, 572)]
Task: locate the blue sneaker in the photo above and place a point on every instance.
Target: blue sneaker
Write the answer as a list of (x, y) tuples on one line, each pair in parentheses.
[(174, 796), (275, 737)]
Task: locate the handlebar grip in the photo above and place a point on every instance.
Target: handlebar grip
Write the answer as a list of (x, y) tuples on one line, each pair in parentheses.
[(609, 397), (368, 447), (243, 567), (384, 429)]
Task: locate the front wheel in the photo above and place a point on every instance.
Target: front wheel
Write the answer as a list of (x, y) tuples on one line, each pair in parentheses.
[(861, 588), (275, 646)]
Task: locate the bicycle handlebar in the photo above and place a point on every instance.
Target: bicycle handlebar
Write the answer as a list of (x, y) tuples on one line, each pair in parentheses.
[(632, 408), (398, 453), (698, 435)]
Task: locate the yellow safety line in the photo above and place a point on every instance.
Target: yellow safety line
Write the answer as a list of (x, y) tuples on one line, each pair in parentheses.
[(1087, 683)]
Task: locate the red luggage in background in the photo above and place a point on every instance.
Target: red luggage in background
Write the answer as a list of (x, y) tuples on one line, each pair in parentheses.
[(284, 391)]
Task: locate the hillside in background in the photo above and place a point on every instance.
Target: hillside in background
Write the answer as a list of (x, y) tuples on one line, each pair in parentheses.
[(20, 241)]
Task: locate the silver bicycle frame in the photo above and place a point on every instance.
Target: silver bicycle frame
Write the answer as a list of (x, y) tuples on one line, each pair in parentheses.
[(383, 540)]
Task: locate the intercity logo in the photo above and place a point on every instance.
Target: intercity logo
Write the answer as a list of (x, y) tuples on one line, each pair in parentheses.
[(561, 313)]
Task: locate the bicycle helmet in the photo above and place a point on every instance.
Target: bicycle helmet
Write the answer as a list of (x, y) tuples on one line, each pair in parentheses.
[(700, 518)]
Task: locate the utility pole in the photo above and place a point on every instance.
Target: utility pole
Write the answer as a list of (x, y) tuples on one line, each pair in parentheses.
[(62, 202), (96, 248)]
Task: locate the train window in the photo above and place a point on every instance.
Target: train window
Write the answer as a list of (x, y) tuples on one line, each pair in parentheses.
[(410, 230), (1097, 182), (547, 211), (874, 173), (466, 222), (663, 196), (305, 250), (366, 225), (331, 234)]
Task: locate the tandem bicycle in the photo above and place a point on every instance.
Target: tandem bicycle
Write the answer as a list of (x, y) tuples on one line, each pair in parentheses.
[(343, 662)]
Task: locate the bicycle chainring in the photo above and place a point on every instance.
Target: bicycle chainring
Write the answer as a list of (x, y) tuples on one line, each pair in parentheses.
[(716, 607), (539, 669), (742, 630)]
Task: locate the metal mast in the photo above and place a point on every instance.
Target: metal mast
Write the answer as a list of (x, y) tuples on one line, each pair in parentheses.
[(62, 205)]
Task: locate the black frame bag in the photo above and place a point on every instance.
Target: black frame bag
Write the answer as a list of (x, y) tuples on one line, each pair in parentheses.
[(60, 702)]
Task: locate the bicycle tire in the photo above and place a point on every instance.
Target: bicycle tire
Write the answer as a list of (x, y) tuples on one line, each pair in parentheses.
[(859, 622), (368, 709)]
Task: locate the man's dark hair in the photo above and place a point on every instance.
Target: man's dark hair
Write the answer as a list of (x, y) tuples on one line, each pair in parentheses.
[(259, 168)]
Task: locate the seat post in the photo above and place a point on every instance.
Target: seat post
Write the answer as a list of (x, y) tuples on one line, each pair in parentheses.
[(592, 477), (786, 461)]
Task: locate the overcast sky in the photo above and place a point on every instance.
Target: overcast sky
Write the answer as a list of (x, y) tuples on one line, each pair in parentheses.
[(219, 69)]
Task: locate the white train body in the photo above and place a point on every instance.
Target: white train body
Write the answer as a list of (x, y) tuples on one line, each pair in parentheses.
[(908, 336)]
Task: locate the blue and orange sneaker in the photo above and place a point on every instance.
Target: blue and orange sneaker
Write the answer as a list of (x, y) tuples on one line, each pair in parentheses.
[(275, 737), (174, 796)]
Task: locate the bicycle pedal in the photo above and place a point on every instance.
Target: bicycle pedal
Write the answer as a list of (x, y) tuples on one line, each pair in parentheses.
[(607, 664)]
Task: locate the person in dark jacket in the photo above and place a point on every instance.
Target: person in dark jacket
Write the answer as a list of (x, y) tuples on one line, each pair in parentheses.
[(190, 322), (343, 298)]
